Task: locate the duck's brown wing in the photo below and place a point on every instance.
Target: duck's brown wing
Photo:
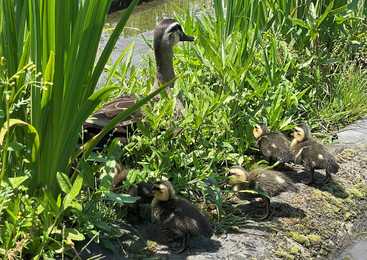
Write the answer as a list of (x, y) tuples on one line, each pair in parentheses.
[(103, 116)]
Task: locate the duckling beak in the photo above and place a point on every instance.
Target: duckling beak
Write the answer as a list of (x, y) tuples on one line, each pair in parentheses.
[(230, 174), (231, 177), (186, 38)]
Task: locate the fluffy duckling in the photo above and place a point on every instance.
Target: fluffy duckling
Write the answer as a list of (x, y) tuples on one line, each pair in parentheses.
[(275, 146), (268, 183), (178, 217), (140, 210), (311, 154)]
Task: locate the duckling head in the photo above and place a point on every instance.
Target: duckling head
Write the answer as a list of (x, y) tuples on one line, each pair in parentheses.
[(237, 175), (259, 130), (163, 191), (301, 133), (168, 33)]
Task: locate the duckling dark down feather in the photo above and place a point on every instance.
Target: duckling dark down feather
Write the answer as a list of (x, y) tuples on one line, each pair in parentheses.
[(314, 156), (182, 218), (271, 182), (179, 216), (275, 146)]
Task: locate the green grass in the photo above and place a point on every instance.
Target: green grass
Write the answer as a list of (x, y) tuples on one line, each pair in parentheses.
[(348, 100), (235, 74)]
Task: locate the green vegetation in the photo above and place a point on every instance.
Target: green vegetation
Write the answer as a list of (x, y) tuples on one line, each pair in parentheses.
[(278, 64), (274, 61)]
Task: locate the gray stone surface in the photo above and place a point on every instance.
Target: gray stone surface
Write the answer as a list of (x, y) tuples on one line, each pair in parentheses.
[(354, 134)]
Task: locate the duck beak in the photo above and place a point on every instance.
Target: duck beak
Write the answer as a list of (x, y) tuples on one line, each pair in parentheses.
[(230, 176), (186, 38)]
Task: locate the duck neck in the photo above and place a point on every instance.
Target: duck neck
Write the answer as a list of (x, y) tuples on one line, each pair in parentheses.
[(164, 62), (294, 143)]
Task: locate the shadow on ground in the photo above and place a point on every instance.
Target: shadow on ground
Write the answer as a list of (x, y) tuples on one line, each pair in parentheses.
[(333, 187)]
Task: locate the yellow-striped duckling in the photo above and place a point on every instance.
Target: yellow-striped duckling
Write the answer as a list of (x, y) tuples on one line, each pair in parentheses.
[(311, 154), (177, 217), (275, 146), (140, 210), (267, 183)]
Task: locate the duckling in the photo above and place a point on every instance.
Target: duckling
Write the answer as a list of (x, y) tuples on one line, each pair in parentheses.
[(178, 217), (268, 183), (275, 146), (311, 154), (166, 35), (140, 210)]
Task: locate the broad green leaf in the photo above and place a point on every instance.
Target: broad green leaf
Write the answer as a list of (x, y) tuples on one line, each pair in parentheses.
[(74, 191), (76, 205), (77, 186), (299, 22), (120, 198), (17, 181), (40, 209), (73, 234), (64, 182)]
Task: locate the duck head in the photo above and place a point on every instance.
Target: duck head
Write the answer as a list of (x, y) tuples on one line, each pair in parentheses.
[(237, 175), (163, 191), (166, 35), (301, 133), (259, 130)]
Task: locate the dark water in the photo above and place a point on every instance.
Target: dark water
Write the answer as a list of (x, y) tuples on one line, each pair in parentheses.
[(148, 14), (143, 21)]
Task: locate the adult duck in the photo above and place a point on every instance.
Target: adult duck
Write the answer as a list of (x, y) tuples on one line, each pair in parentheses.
[(166, 35)]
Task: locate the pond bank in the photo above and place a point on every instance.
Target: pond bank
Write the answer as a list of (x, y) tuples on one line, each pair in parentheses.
[(355, 241), (317, 222)]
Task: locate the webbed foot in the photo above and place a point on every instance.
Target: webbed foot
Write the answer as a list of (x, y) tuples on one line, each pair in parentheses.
[(182, 245)]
